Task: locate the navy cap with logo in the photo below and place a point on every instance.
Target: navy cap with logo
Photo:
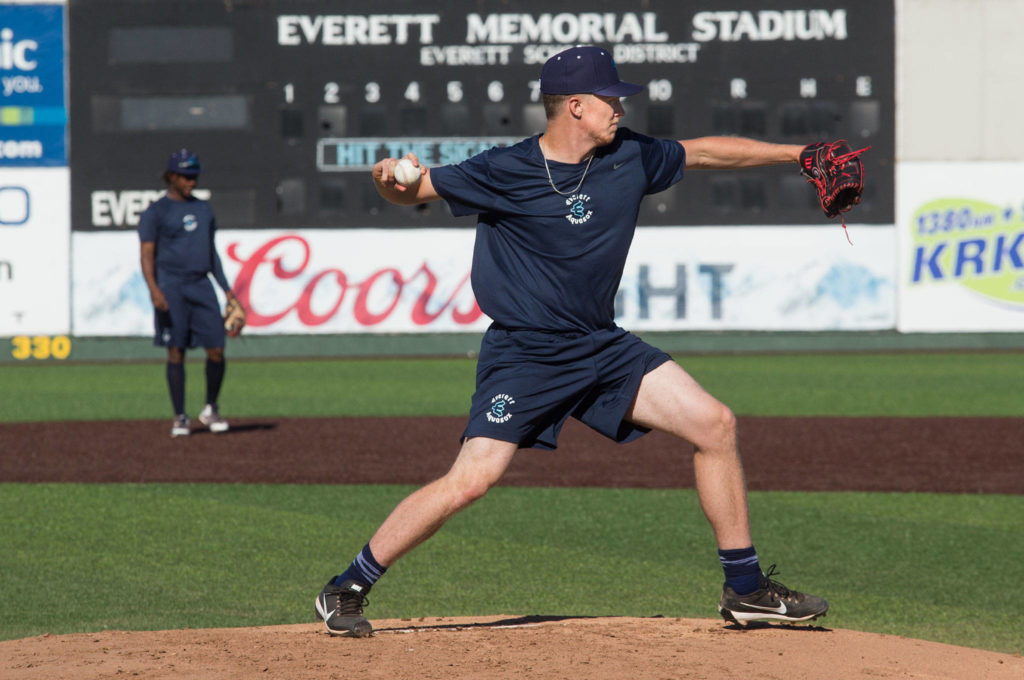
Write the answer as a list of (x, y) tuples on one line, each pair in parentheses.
[(584, 70), (184, 162)]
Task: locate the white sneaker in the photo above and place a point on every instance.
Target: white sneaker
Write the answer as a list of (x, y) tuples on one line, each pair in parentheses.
[(209, 417), (181, 427)]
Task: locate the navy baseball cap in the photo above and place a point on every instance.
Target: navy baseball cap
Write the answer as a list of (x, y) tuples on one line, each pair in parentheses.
[(184, 162), (584, 70)]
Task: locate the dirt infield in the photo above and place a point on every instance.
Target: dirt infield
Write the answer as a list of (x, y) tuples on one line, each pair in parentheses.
[(956, 455), (961, 455)]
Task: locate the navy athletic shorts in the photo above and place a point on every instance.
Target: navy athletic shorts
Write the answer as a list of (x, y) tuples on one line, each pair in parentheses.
[(529, 382), (193, 319)]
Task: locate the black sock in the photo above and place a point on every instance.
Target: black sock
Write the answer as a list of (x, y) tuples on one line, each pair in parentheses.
[(176, 386), (214, 379)]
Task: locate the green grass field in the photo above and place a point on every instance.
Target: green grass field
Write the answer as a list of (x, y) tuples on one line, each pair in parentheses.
[(930, 566), (899, 384)]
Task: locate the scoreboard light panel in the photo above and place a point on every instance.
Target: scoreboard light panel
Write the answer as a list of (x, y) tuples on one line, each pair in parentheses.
[(289, 103)]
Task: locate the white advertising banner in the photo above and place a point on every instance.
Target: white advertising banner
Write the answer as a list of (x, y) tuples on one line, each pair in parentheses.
[(961, 239), (306, 281), (404, 281), (760, 278), (35, 228)]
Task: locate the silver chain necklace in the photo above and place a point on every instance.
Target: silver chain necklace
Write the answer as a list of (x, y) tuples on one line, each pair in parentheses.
[(552, 182)]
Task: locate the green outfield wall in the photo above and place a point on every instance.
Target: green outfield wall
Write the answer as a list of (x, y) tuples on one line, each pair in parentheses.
[(31, 349)]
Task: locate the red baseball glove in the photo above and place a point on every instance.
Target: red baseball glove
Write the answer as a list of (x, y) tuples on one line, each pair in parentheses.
[(837, 174)]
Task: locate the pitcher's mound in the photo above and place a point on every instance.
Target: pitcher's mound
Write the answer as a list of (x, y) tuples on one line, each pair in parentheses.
[(503, 647)]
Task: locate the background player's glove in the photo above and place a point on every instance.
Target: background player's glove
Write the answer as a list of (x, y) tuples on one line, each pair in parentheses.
[(234, 317), (837, 174)]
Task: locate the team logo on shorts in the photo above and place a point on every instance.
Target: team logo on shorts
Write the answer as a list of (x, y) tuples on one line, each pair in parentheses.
[(500, 408), (578, 210), (190, 222)]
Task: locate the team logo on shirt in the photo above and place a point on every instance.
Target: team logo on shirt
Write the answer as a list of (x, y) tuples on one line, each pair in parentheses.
[(500, 410), (190, 222), (578, 210)]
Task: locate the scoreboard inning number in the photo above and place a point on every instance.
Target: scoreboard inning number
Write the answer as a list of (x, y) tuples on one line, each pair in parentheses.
[(374, 92)]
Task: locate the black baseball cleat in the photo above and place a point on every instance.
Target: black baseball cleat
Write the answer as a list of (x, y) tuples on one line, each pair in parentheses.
[(771, 602), (341, 608)]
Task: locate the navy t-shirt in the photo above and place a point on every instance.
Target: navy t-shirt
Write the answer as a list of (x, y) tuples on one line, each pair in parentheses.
[(544, 261), (183, 232)]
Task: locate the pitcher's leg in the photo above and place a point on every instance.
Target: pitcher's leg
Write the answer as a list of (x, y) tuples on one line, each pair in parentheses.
[(480, 464), (671, 401)]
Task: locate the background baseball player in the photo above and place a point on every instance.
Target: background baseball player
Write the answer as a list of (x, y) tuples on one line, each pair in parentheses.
[(178, 255), (557, 213)]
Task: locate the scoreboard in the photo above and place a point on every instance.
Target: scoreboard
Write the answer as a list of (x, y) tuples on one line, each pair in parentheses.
[(289, 102)]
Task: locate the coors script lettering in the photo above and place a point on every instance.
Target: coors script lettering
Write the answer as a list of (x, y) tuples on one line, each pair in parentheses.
[(377, 296)]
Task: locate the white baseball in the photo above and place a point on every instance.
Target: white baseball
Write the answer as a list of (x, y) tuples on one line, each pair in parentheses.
[(406, 173)]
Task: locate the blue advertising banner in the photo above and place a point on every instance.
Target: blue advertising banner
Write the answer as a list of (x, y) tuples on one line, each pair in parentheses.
[(33, 114)]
